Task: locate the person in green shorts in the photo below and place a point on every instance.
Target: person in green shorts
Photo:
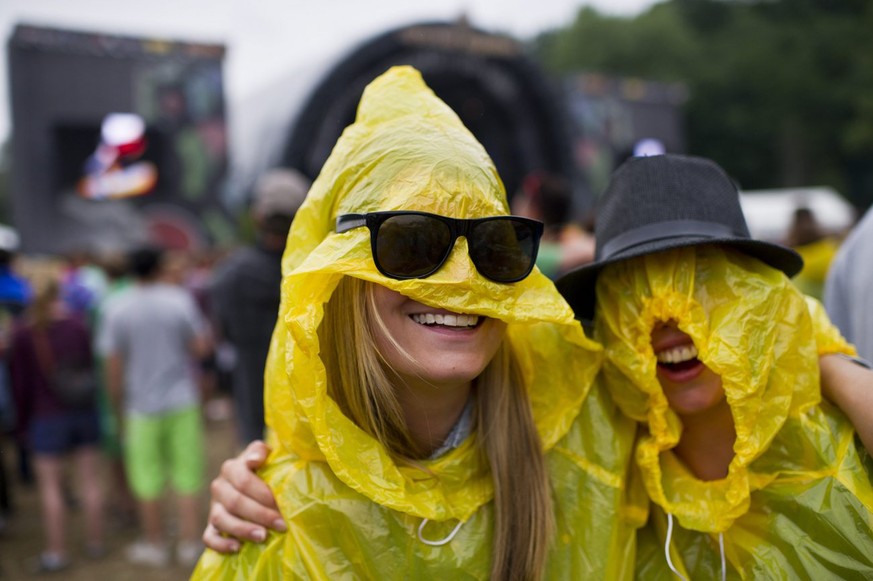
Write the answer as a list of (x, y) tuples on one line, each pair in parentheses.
[(153, 334), (177, 435)]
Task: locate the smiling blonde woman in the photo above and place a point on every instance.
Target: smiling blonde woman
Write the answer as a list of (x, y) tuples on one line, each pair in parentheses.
[(418, 426)]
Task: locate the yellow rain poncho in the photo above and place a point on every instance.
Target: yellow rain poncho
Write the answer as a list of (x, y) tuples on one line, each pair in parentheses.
[(797, 500), (352, 511)]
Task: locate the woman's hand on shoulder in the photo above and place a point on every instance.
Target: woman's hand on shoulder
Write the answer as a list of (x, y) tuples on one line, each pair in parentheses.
[(243, 506)]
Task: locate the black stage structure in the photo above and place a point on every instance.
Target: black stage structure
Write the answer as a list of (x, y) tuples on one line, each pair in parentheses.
[(63, 83), (499, 93)]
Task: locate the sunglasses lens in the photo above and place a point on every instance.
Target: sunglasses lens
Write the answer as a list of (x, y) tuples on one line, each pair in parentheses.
[(412, 245), (503, 249)]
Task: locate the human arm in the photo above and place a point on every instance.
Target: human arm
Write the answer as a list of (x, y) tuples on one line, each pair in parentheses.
[(22, 371), (243, 506), (199, 341), (110, 347), (115, 382), (850, 387), (201, 345)]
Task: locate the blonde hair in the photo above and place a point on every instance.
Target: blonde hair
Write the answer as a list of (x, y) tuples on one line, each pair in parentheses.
[(44, 277), (362, 383)]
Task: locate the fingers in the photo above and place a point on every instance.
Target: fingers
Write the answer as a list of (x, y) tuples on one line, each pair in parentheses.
[(214, 540), (239, 472), (225, 532), (245, 498), (255, 454), (244, 494), (243, 506)]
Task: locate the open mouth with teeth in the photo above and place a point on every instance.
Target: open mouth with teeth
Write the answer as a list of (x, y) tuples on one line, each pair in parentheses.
[(679, 363), (446, 320), (679, 357)]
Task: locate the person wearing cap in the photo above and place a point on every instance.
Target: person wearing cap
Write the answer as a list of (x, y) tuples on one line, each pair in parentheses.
[(244, 297), (417, 425), (713, 350)]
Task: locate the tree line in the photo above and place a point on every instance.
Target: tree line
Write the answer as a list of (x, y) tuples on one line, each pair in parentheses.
[(780, 91)]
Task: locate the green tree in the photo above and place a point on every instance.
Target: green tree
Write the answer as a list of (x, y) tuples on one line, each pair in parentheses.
[(781, 91)]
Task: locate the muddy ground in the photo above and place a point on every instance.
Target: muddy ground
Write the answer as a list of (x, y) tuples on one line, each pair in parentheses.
[(22, 539)]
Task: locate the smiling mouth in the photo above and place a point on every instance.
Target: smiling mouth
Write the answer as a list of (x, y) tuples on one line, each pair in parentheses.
[(676, 362), (455, 321), (678, 354)]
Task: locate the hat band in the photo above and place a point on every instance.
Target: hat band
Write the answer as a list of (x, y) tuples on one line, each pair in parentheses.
[(664, 231)]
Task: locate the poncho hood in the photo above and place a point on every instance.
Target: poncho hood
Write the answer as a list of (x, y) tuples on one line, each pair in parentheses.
[(408, 151), (750, 326)]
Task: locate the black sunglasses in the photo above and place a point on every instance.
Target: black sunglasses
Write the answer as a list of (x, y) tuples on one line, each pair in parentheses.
[(416, 244)]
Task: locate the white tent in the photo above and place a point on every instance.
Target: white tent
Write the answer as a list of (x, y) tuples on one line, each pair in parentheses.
[(769, 212)]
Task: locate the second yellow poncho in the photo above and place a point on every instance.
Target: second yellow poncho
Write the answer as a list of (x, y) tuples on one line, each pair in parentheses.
[(797, 500)]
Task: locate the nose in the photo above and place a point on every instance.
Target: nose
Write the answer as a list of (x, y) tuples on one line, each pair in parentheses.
[(459, 266), (664, 328), (667, 334)]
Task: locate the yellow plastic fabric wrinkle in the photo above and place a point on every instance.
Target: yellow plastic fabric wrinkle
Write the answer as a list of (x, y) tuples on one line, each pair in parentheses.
[(828, 339), (335, 433), (605, 476)]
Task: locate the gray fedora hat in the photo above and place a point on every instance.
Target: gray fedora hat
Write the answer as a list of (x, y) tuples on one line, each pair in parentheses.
[(661, 202)]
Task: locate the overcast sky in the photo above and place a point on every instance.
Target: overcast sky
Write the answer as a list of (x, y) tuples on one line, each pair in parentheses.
[(268, 38)]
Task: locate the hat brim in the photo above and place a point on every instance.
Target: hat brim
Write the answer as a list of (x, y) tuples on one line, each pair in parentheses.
[(577, 286)]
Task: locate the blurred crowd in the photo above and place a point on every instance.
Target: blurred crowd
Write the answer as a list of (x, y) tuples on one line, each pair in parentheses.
[(53, 314)]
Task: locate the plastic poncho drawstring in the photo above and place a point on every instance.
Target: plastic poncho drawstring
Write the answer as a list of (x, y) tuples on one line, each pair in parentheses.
[(670, 561)]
